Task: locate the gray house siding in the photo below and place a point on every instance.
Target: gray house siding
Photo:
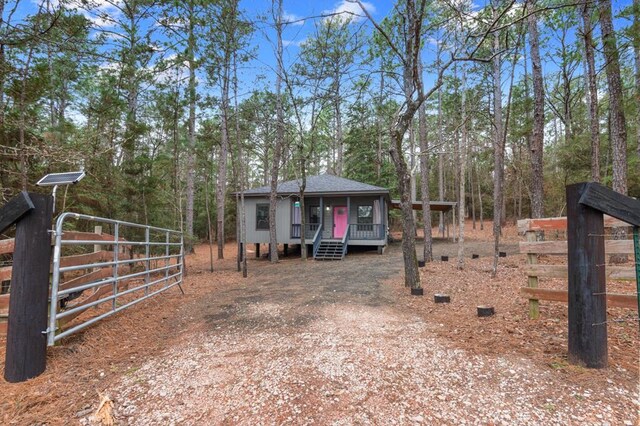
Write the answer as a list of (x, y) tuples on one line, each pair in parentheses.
[(283, 220), (284, 213), (326, 192)]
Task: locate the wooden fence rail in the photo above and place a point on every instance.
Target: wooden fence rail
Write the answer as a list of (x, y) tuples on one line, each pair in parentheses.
[(534, 271)]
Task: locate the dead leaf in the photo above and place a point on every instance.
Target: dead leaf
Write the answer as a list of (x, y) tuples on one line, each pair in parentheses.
[(104, 413)]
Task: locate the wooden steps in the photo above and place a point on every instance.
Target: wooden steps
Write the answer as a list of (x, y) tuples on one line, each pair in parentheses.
[(330, 250)]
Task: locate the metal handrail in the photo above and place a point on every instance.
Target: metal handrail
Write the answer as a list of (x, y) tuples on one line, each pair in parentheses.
[(56, 293), (316, 240), (345, 240)]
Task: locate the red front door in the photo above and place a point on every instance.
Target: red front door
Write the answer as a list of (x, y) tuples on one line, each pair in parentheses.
[(340, 221)]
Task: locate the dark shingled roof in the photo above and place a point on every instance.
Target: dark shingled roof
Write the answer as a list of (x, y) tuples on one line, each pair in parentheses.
[(321, 184)]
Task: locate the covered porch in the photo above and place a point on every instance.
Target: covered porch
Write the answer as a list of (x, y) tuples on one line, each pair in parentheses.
[(358, 219)]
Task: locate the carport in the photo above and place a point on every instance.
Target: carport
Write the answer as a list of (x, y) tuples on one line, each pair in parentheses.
[(436, 206)]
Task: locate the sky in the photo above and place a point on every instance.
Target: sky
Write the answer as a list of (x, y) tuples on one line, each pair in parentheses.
[(301, 15), (298, 28)]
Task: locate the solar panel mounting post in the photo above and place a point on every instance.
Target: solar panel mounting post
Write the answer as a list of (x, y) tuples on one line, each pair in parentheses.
[(57, 179)]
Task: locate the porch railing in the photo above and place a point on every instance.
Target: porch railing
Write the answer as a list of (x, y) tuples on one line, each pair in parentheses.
[(309, 230), (316, 239), (366, 231)]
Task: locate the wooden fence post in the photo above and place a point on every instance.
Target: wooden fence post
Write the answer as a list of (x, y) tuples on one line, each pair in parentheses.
[(26, 355), (97, 247), (16, 208), (587, 284), (97, 230), (532, 282)]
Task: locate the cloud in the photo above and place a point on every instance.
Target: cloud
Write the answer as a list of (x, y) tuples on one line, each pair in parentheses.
[(291, 19), (296, 43), (349, 10), (101, 13), (110, 66)]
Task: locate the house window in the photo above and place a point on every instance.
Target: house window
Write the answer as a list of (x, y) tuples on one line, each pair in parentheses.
[(314, 214), (262, 216), (365, 214)]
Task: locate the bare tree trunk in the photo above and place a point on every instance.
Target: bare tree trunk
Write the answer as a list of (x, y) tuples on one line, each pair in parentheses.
[(501, 139), (379, 124), (411, 57), (275, 165), (473, 200), (411, 273), (537, 140), (412, 144), (440, 154), (498, 147), (520, 179), (618, 129), (242, 217), (480, 201), (221, 189), (52, 107), (129, 76), (462, 162), (424, 187), (3, 71), (616, 99), (192, 128), (175, 178), (303, 214), (592, 86), (22, 129), (636, 52), (339, 136), (503, 211), (209, 227)]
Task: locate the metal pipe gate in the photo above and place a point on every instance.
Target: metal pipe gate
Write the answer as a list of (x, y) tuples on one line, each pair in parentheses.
[(153, 246)]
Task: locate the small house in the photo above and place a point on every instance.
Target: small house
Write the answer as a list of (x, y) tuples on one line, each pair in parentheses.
[(339, 213)]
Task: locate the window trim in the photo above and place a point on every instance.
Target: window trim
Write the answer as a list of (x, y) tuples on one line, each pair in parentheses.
[(358, 214), (258, 227), (311, 207)]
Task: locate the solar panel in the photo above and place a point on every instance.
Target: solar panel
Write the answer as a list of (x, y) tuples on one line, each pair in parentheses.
[(61, 178)]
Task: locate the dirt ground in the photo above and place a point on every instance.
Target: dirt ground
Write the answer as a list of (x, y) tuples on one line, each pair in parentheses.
[(336, 343)]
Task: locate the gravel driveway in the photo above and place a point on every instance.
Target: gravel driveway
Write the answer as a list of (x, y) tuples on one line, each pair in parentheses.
[(331, 343)]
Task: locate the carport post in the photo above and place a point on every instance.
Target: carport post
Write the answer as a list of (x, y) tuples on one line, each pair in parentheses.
[(453, 213)]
